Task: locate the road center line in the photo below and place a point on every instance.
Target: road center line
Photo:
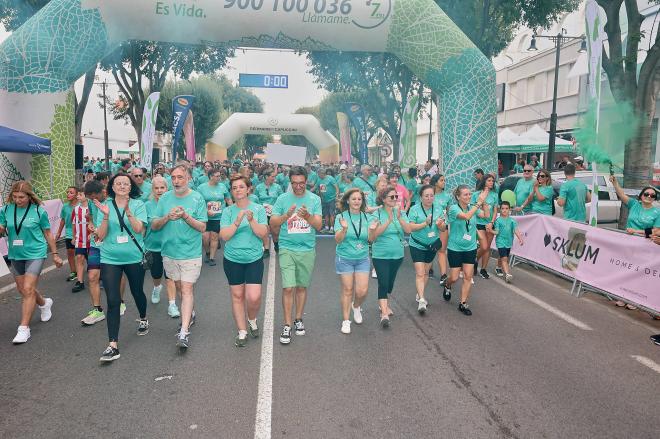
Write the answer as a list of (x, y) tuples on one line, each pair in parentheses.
[(561, 314), (647, 362), (262, 424)]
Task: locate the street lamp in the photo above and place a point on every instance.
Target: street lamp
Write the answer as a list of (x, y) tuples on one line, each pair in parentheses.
[(104, 84), (558, 39)]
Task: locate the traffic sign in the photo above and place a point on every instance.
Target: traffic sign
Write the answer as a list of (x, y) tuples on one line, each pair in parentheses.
[(263, 80)]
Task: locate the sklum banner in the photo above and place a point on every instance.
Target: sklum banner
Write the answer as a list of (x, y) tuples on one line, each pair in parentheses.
[(180, 107), (358, 120), (149, 128)]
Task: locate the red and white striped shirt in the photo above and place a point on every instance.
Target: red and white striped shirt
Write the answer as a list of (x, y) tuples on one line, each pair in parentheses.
[(79, 225)]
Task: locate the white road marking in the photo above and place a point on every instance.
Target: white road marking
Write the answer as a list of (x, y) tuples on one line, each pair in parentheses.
[(262, 424), (561, 314), (12, 286), (647, 362)]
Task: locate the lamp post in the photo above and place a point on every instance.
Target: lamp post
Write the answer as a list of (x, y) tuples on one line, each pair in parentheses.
[(430, 145), (558, 39)]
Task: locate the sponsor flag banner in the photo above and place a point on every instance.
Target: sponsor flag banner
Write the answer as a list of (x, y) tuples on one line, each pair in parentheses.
[(620, 264), (53, 209), (189, 135), (344, 137), (593, 210), (358, 119), (408, 139), (180, 107), (149, 115)]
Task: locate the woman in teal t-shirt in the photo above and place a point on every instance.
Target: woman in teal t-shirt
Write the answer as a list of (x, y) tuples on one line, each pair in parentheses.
[(542, 194), (462, 244), (387, 235), (427, 221), (153, 242), (243, 226), (216, 197), (642, 214), (66, 226), (120, 224), (352, 258), (485, 221), (26, 224), (443, 200)]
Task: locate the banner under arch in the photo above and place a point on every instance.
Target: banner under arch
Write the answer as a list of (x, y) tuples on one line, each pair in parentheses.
[(40, 61)]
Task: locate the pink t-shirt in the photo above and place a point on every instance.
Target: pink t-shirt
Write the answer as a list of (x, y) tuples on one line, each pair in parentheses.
[(402, 192)]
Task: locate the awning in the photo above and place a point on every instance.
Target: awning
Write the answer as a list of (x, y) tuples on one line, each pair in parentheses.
[(17, 141), (534, 140)]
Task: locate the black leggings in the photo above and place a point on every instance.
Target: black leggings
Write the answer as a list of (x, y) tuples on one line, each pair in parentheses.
[(111, 277), (157, 266), (386, 270)]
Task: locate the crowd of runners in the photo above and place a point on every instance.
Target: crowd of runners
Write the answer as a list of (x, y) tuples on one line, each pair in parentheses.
[(121, 224)]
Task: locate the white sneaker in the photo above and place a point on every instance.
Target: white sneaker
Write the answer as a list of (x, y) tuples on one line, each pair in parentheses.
[(122, 309), (417, 298), (22, 335), (155, 294), (373, 273), (460, 274), (421, 307), (346, 327), (508, 278), (472, 281), (357, 315), (46, 313)]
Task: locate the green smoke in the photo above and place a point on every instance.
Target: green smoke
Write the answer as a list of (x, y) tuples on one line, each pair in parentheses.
[(617, 126)]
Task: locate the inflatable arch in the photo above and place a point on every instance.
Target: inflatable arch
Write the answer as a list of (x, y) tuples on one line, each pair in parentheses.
[(40, 61), (239, 124)]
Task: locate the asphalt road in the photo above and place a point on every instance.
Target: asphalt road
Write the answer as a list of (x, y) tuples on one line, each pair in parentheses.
[(532, 362)]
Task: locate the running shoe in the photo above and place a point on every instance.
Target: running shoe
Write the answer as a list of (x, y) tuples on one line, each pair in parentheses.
[(443, 278), (143, 327), (22, 335), (431, 276), (183, 340), (446, 293), (72, 276), (463, 307), (385, 322), (110, 354), (346, 327), (240, 342), (207, 258), (212, 262), (421, 306), (93, 316), (656, 339), (155, 294), (357, 315), (78, 287), (300, 327), (460, 274), (45, 310), (499, 272), (122, 309), (253, 329), (483, 273), (508, 278), (373, 273), (173, 311), (285, 336)]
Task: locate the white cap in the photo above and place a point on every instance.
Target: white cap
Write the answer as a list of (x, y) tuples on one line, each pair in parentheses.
[(579, 158), (343, 166)]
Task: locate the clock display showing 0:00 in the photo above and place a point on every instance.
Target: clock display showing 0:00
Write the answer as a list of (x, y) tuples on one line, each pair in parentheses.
[(275, 81)]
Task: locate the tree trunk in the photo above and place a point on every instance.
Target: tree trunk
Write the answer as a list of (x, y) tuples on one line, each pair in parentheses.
[(81, 104)]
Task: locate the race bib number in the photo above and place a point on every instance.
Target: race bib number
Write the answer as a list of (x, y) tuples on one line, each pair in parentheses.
[(297, 225), (122, 239), (269, 209), (323, 188), (467, 237), (17, 243), (215, 207)]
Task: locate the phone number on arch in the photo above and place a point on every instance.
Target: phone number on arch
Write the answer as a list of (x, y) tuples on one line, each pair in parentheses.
[(330, 7)]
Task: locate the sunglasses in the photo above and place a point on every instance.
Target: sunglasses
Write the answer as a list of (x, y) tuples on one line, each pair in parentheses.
[(138, 176), (649, 194), (528, 170), (393, 197), (542, 176)]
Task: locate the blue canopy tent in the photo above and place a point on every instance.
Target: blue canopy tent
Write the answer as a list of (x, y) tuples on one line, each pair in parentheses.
[(19, 142)]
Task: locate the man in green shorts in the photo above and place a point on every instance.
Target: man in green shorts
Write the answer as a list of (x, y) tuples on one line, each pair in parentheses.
[(298, 215)]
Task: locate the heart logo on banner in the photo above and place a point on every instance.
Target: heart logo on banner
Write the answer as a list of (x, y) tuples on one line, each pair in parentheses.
[(546, 239)]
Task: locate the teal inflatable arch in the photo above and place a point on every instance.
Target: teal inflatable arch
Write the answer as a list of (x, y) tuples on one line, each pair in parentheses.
[(40, 61)]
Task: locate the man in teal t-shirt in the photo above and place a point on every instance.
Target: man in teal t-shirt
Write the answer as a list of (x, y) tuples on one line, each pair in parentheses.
[(573, 196), (524, 187), (182, 216), (328, 191), (366, 181), (298, 216), (137, 174)]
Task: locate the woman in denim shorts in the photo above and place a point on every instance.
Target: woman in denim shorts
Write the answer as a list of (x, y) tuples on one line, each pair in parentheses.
[(352, 259)]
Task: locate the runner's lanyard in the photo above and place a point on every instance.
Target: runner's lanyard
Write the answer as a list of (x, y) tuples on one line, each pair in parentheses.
[(467, 222), (120, 217), (358, 232), (20, 225), (426, 215), (370, 185)]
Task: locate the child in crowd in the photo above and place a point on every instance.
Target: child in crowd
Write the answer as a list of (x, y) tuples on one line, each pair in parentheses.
[(80, 220), (504, 228), (65, 225)]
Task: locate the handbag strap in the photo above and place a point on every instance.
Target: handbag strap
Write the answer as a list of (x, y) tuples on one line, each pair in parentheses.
[(123, 226), (428, 247)]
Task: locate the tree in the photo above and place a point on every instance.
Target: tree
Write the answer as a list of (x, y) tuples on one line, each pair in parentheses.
[(13, 14), (141, 67), (632, 85)]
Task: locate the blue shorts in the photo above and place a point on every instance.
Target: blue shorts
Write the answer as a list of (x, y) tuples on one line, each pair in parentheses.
[(504, 252), (350, 266), (94, 259), (82, 251)]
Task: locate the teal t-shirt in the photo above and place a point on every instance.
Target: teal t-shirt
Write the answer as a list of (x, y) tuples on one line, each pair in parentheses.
[(255, 181), (518, 168), (575, 193), (522, 190), (201, 179), (460, 229), (312, 179), (214, 196), (153, 239), (344, 185), (640, 218), (389, 245), (29, 242), (65, 214), (268, 194), (244, 247), (283, 181), (146, 191), (421, 239), (443, 200), (114, 167), (364, 185), (505, 228), (180, 240), (327, 189), (371, 199), (356, 242), (296, 233), (413, 188), (168, 179), (491, 200), (118, 248), (544, 207)]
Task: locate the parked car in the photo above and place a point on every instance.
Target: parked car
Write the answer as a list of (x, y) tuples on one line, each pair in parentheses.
[(609, 204)]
